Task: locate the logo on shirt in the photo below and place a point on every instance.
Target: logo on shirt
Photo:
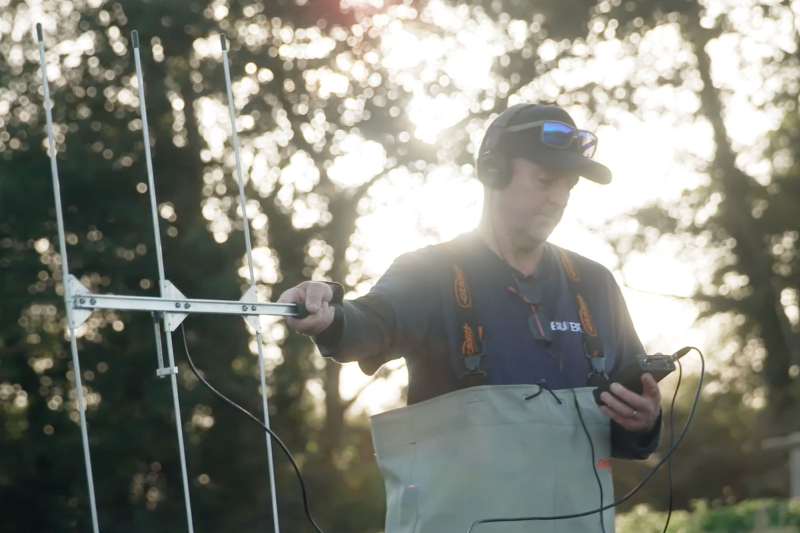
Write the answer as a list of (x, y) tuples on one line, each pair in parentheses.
[(565, 326), (603, 463), (461, 289)]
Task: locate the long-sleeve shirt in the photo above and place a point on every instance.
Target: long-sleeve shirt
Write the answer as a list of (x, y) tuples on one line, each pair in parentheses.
[(411, 313)]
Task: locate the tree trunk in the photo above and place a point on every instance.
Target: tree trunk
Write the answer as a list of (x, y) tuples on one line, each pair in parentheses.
[(339, 233), (736, 218)]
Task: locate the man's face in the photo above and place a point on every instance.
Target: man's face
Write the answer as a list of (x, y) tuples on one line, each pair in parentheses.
[(533, 203)]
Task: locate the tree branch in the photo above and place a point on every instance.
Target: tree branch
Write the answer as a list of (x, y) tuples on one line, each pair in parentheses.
[(654, 293)]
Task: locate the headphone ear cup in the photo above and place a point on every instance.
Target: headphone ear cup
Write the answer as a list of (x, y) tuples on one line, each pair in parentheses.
[(492, 167), (503, 175), (484, 167), (491, 170)]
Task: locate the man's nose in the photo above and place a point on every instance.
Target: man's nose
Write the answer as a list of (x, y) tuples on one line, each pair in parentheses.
[(559, 194)]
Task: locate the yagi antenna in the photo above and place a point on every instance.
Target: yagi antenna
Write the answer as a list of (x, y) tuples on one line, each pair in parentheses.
[(172, 307)]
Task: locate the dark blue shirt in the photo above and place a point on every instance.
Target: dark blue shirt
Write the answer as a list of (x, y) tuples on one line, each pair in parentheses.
[(410, 313)]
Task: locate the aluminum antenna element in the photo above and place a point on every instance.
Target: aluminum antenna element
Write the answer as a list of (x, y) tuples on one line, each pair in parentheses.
[(251, 294), (165, 286), (65, 280)]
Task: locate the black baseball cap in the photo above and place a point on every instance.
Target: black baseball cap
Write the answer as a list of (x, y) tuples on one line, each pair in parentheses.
[(527, 144)]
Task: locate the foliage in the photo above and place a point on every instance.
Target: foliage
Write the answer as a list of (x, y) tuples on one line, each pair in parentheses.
[(317, 96), (111, 248), (753, 516)]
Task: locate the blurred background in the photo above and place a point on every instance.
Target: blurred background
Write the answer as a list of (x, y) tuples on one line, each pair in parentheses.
[(358, 123)]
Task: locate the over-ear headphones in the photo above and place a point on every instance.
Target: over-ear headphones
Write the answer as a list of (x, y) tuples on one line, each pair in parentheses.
[(492, 167)]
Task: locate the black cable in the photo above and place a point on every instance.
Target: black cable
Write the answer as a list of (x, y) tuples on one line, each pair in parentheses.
[(594, 464), (602, 508), (671, 436), (257, 421), (640, 484)]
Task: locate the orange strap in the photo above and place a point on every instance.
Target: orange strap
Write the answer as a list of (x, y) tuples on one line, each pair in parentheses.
[(592, 344), (469, 330)]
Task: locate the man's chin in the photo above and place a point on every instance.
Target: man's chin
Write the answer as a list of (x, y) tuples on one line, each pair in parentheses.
[(532, 237)]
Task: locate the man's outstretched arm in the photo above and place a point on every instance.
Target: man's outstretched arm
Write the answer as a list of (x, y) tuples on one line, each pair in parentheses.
[(375, 328)]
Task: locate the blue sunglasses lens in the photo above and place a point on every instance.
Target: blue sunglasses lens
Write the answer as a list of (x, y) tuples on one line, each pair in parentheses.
[(557, 135), (560, 135)]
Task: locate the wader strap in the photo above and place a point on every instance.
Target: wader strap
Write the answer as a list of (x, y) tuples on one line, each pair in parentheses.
[(592, 345), (470, 333)]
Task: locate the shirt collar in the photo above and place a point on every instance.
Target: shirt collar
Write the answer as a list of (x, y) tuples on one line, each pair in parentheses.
[(487, 257)]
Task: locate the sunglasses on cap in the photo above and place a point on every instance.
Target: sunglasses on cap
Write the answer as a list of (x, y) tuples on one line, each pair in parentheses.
[(560, 135)]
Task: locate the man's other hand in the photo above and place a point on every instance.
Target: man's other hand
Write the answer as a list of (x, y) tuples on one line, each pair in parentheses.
[(317, 297), (632, 411)]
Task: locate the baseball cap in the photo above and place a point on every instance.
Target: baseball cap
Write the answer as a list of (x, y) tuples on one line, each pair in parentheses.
[(527, 144)]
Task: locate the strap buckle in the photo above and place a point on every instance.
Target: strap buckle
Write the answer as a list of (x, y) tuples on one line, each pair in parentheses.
[(473, 364), (598, 365), (597, 376), (597, 380)]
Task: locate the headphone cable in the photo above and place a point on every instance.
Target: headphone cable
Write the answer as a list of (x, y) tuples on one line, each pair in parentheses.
[(594, 464), (257, 421), (671, 436), (671, 440), (638, 486), (667, 457)]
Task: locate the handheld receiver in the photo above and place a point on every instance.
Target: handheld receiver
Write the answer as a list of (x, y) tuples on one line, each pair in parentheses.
[(629, 375)]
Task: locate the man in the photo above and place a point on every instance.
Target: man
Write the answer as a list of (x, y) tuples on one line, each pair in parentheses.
[(486, 323)]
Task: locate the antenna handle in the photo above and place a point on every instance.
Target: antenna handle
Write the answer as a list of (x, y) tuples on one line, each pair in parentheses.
[(302, 312)]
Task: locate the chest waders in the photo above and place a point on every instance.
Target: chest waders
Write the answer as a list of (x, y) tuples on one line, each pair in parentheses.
[(498, 451)]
